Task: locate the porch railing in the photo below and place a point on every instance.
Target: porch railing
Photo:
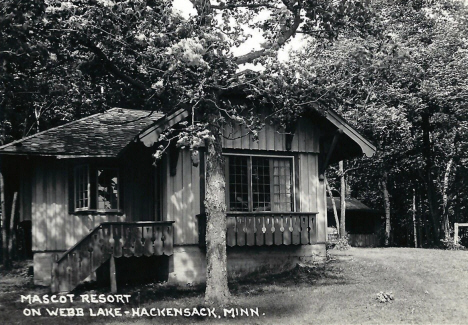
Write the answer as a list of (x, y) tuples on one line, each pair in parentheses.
[(110, 239), (267, 228)]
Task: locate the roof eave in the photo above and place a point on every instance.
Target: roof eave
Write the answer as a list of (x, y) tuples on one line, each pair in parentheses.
[(151, 135), (366, 146)]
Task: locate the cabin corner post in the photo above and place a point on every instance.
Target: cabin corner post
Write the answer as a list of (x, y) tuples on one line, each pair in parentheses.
[(321, 216)]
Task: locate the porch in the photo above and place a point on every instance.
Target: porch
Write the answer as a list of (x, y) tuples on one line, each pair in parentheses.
[(106, 242)]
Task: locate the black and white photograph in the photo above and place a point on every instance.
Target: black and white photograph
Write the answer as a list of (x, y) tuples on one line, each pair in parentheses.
[(233, 162)]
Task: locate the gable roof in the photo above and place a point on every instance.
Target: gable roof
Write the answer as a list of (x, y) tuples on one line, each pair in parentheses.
[(367, 148), (100, 135), (107, 134)]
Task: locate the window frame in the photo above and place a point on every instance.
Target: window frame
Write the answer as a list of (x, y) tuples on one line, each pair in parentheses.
[(92, 189), (250, 183), (76, 178), (96, 171)]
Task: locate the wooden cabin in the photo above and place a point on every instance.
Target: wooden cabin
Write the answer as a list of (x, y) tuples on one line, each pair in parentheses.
[(95, 198), (363, 224)]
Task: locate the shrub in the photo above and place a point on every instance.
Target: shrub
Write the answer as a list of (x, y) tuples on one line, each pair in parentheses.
[(449, 244), (342, 244)]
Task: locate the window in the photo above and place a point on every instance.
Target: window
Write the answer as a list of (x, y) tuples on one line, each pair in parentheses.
[(259, 183), (82, 189), (96, 189), (107, 189)]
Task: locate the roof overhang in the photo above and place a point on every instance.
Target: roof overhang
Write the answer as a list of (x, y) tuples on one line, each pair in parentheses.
[(367, 148), (102, 135), (151, 135), (351, 140)]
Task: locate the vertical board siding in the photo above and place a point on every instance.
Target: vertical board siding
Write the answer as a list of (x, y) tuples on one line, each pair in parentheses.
[(26, 194), (312, 196), (308, 182), (322, 212), (53, 228), (183, 200), (272, 138)]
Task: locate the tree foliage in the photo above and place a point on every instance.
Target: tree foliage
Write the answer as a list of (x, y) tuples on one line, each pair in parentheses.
[(407, 91)]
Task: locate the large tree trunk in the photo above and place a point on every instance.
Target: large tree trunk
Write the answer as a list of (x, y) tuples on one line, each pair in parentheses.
[(343, 200), (217, 291), (388, 228), (445, 213), (335, 213), (429, 164)]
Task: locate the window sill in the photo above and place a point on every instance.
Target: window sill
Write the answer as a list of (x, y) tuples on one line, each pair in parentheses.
[(99, 212), (253, 213)]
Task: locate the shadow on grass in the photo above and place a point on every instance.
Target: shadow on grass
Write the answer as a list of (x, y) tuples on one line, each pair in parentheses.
[(256, 283), (301, 275)]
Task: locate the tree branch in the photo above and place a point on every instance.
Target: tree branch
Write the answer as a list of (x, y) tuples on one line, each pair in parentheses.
[(112, 67), (249, 57)]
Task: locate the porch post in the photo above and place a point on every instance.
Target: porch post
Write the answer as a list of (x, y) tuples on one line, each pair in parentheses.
[(113, 279)]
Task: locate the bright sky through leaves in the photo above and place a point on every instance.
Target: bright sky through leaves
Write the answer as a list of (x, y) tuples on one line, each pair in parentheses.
[(185, 8)]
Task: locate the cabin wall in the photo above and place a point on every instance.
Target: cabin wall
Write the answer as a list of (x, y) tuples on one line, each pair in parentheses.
[(306, 138), (53, 227), (307, 191), (181, 201)]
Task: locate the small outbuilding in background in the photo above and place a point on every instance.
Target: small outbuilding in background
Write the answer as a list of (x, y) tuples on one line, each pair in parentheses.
[(363, 224)]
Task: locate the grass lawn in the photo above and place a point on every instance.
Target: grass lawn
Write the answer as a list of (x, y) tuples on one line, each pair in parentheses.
[(428, 286)]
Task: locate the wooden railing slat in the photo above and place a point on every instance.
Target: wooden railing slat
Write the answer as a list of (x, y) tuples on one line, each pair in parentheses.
[(117, 234), (168, 247), (107, 243), (250, 231), (296, 233), (268, 230), (313, 230), (158, 243), (148, 236), (128, 241), (259, 231), (286, 230), (136, 233), (278, 232), (240, 231), (304, 230), (231, 232)]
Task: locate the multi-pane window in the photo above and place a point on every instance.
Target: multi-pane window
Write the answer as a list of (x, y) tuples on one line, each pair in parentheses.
[(82, 188), (238, 184), (258, 183), (96, 188)]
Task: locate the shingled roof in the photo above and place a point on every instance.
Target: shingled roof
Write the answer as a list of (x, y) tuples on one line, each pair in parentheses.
[(100, 135)]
